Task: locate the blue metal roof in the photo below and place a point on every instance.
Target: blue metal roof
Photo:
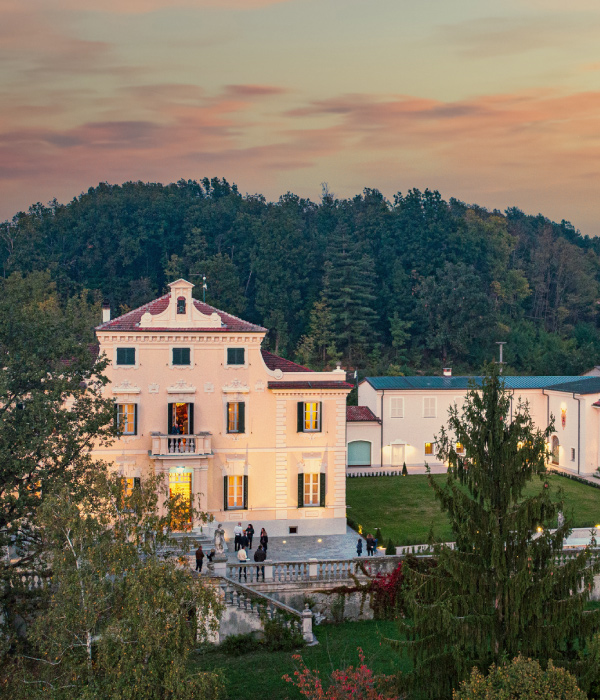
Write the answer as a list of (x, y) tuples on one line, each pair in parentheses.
[(457, 383)]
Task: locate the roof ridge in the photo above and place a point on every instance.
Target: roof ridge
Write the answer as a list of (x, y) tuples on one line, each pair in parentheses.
[(133, 311)]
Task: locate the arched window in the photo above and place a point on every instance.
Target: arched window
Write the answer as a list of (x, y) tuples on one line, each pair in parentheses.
[(555, 450), (181, 305), (359, 453)]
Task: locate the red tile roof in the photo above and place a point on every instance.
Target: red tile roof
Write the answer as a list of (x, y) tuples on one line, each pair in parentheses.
[(275, 362), (131, 321), (310, 385), (360, 413), (596, 404)]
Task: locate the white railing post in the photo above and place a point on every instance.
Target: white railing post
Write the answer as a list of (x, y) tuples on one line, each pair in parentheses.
[(307, 619), (313, 567), (268, 570)]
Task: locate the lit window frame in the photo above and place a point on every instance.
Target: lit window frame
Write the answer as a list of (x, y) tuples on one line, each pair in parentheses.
[(429, 451), (235, 492), (233, 417), (312, 489), (126, 418), (311, 417)]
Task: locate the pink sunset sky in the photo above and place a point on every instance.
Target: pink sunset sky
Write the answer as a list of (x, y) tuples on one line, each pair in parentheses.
[(493, 103)]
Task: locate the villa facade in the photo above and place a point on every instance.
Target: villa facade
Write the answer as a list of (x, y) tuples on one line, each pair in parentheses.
[(398, 418), (248, 435)]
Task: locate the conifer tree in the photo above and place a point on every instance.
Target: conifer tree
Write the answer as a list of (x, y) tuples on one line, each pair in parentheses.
[(505, 589)]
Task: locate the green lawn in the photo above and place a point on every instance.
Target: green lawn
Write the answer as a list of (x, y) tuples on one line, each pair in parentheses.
[(258, 675), (404, 506)]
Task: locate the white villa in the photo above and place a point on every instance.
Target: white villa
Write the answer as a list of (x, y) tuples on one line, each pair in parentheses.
[(250, 435), (398, 418)]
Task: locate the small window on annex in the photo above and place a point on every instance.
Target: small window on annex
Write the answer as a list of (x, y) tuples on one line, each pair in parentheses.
[(181, 356), (181, 305), (429, 407), (235, 356), (397, 407), (460, 448), (126, 356), (429, 448)]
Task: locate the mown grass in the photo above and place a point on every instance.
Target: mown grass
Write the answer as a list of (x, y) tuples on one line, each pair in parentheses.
[(259, 675), (405, 509)]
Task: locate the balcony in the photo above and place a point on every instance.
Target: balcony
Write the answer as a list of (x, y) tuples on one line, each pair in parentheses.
[(178, 446)]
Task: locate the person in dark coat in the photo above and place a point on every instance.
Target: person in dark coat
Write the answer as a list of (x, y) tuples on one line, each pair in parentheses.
[(370, 545), (199, 559), (259, 556), (359, 547), (264, 539), (244, 541), (210, 555), (249, 535)]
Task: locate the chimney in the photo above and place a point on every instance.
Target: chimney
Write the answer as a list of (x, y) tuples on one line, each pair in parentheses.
[(447, 371), (105, 312)]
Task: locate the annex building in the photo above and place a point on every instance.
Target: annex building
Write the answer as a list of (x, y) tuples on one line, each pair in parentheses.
[(248, 435), (398, 418)]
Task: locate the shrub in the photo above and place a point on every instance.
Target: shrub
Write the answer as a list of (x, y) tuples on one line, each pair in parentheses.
[(404, 469), (387, 594), (522, 679), (280, 637), (378, 536), (239, 644), (391, 548), (348, 684)]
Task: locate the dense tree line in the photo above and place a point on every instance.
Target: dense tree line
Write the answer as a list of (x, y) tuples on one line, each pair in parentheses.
[(398, 286)]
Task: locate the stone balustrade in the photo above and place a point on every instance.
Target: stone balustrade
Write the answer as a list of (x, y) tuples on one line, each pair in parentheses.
[(176, 445)]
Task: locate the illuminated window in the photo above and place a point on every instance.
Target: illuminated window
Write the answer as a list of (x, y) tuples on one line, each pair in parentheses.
[(311, 416), (460, 448), (127, 418), (429, 407), (397, 408), (429, 448), (235, 492), (311, 489), (236, 417)]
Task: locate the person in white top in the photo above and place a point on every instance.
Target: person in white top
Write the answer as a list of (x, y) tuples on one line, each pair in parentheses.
[(238, 530), (242, 558)]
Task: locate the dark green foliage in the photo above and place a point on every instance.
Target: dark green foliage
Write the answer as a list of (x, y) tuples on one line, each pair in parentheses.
[(239, 644), (501, 591), (378, 536), (522, 679), (389, 287), (280, 637), (404, 469), (390, 548)]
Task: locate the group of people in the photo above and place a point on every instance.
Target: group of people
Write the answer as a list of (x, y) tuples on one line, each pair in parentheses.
[(371, 546), (200, 558), (243, 542)]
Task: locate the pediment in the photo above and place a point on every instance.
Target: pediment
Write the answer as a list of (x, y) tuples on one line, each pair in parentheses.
[(181, 387), (126, 387)]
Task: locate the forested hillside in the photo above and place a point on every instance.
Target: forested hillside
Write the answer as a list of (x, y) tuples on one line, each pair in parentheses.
[(405, 286)]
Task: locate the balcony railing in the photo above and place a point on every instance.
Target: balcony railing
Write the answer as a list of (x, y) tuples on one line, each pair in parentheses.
[(178, 445)]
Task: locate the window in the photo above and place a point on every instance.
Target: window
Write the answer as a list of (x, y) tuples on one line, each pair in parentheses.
[(397, 408), (309, 417), (180, 306), (180, 419), (460, 448), (359, 453), (126, 356), (181, 356), (235, 356), (572, 454), (429, 407), (293, 529), (311, 489), (236, 417), (128, 484), (127, 418), (429, 448), (235, 491)]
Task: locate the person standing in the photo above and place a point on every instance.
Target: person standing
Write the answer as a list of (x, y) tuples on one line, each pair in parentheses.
[(199, 559), (244, 541), (242, 558), (249, 535), (237, 531), (370, 545), (359, 547), (259, 556), (264, 539)]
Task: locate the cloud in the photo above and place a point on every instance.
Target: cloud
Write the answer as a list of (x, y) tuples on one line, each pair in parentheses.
[(143, 6), (254, 90)]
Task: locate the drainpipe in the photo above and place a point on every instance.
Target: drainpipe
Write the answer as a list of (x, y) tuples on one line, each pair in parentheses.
[(511, 404), (547, 407), (381, 443), (578, 431)]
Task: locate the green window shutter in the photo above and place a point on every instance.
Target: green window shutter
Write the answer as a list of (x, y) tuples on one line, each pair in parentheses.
[(126, 356), (245, 492), (170, 418), (191, 418), (181, 356), (137, 482), (300, 490), (320, 416), (224, 493), (235, 356), (322, 489), (116, 416), (300, 416), (241, 417), (135, 418)]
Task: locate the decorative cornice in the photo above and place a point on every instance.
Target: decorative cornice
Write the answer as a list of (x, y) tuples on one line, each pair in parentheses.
[(236, 387), (126, 387), (181, 387)]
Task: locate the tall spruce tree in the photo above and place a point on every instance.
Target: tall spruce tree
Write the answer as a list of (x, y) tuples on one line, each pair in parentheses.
[(505, 589)]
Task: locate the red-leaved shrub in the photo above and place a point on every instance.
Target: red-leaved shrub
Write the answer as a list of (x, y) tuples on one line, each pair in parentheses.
[(387, 594)]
